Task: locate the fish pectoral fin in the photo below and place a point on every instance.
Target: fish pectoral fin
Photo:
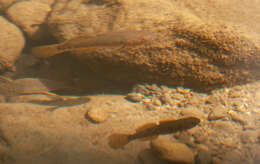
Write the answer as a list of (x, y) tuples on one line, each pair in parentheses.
[(148, 138)]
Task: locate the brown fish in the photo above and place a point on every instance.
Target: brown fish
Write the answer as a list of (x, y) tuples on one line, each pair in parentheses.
[(108, 40), (31, 86), (152, 130)]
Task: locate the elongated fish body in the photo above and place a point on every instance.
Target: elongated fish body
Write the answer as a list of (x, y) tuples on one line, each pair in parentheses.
[(165, 127), (107, 40), (152, 130)]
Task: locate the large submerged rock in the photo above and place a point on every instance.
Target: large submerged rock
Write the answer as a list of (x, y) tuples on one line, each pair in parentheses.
[(30, 19), (188, 51)]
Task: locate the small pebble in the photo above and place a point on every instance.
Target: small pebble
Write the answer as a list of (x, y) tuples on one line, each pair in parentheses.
[(164, 89), (237, 117), (153, 87), (151, 107), (234, 94), (217, 114), (141, 89), (184, 137), (156, 101), (241, 108), (183, 91), (178, 96), (166, 98), (135, 97), (97, 115), (192, 111)]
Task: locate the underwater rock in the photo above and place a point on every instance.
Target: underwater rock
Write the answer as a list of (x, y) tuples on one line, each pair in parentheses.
[(11, 44), (155, 101), (187, 51), (192, 111), (184, 138), (97, 115), (237, 117), (30, 15), (174, 152), (6, 3), (167, 99), (135, 97), (217, 114)]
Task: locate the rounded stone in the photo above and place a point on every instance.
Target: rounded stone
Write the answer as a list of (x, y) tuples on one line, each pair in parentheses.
[(134, 97), (97, 115), (172, 151), (216, 115), (29, 15), (11, 44)]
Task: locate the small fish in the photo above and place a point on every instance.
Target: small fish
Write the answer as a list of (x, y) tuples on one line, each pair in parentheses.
[(108, 40), (62, 101), (152, 130), (32, 86)]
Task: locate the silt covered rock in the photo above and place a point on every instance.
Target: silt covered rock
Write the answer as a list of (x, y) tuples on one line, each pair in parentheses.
[(187, 51), (11, 44)]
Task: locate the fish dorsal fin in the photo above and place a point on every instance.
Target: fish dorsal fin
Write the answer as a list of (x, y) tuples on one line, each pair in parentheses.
[(146, 126)]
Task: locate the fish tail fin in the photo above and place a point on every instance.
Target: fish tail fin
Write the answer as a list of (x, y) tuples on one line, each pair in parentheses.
[(118, 140), (46, 51)]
